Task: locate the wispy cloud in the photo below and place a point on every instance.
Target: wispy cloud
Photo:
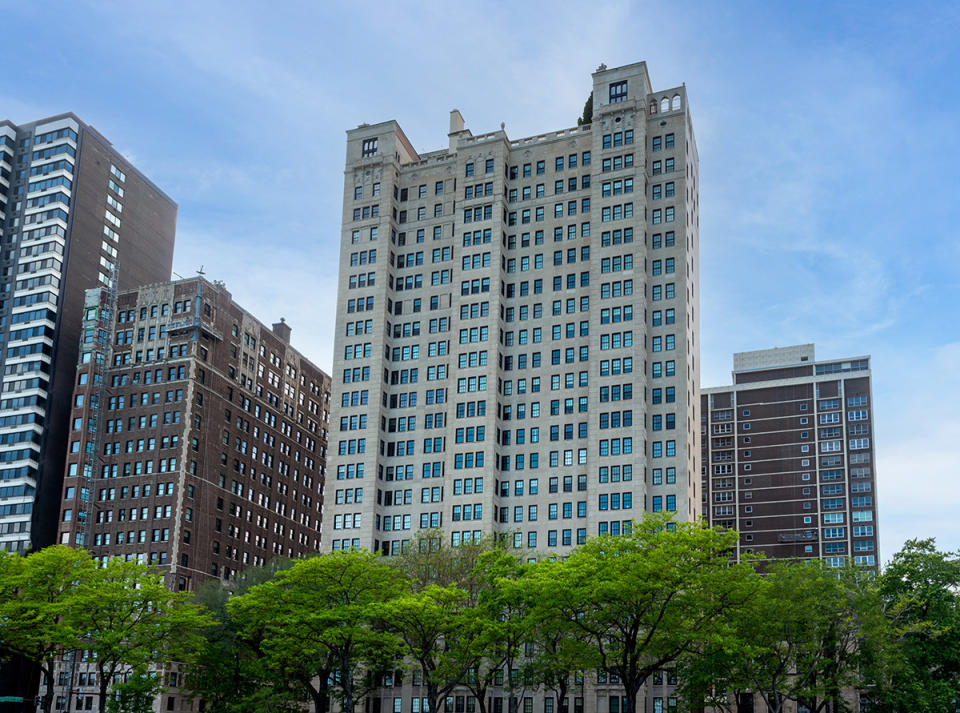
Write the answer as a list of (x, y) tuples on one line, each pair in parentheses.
[(271, 280)]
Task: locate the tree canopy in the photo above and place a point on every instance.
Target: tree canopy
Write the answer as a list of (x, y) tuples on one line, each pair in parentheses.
[(59, 598), (490, 619), (919, 592), (801, 637), (317, 619), (642, 600)]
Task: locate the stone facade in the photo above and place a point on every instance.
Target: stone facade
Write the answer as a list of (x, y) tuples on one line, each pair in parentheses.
[(517, 345), (517, 328)]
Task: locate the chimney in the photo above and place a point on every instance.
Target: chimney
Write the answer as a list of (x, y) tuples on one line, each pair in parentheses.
[(456, 121), (282, 330), (457, 128)]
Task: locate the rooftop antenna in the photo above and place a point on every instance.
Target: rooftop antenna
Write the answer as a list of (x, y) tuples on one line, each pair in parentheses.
[(201, 272)]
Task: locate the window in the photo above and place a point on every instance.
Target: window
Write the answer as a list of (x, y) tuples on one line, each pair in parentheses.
[(369, 148), (618, 92)]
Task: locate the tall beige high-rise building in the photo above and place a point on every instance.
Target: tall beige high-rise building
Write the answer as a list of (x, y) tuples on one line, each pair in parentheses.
[(517, 328)]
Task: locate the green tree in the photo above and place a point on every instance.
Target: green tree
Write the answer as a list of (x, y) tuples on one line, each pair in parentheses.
[(38, 606), (317, 619), (11, 571), (229, 673), (801, 637), (848, 630), (428, 622), (558, 649), (11, 566), (587, 116), (495, 626), (919, 590), (434, 617), (644, 600), (129, 620), (137, 693), (429, 561)]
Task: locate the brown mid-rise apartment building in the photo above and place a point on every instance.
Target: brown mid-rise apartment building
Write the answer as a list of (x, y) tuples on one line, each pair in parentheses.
[(788, 456), (197, 444), (198, 435)]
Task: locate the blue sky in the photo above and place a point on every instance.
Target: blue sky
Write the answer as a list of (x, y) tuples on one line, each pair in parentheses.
[(828, 139)]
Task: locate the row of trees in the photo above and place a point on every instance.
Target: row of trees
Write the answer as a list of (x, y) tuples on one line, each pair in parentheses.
[(665, 596), (60, 599), (471, 616), (661, 597)]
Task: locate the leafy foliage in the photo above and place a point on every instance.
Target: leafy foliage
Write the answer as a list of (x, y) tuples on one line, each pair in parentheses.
[(643, 600), (137, 693), (229, 670), (317, 619), (59, 598), (919, 591), (38, 606), (801, 637), (128, 619), (664, 595)]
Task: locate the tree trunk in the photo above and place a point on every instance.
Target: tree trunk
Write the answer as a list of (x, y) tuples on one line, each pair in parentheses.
[(631, 688), (480, 693), (346, 676), (777, 705), (560, 687), (319, 694), (103, 683), (433, 695), (46, 700)]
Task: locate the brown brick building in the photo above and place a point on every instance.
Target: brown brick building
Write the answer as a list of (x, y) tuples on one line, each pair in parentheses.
[(198, 444), (198, 435), (788, 456)]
